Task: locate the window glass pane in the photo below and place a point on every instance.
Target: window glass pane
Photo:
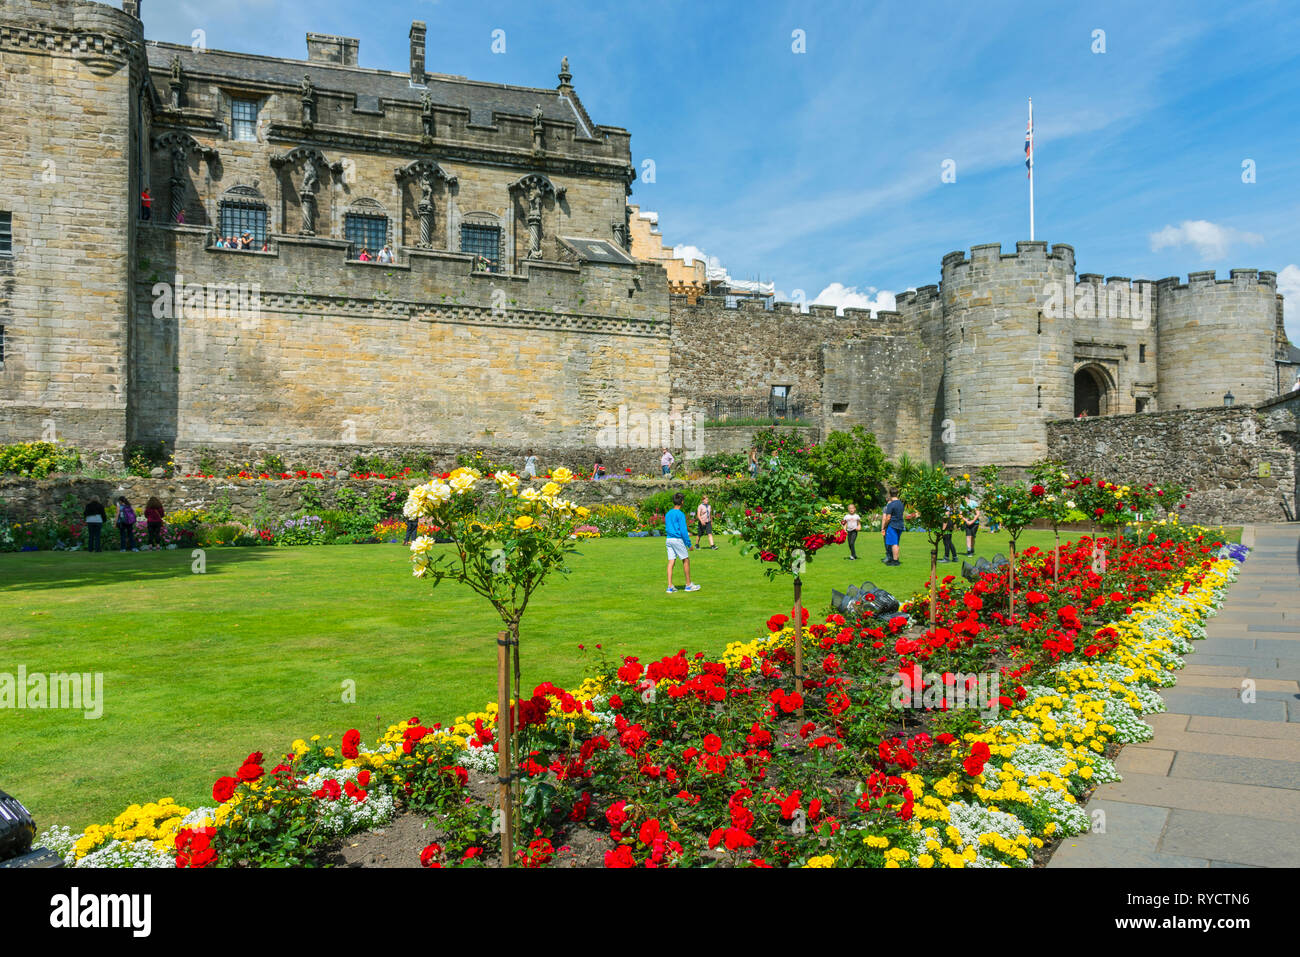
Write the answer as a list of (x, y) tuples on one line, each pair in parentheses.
[(243, 119), (6, 232), (482, 241), (240, 218), (369, 232)]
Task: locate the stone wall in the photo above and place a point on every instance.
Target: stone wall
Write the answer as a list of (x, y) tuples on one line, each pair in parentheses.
[(721, 353), (1240, 462), (23, 500), (71, 72), (424, 352)]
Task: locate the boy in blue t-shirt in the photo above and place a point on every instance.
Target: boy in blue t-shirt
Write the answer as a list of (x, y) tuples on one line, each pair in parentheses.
[(679, 542), (892, 527)]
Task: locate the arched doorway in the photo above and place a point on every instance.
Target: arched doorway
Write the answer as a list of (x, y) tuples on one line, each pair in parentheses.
[(1092, 391)]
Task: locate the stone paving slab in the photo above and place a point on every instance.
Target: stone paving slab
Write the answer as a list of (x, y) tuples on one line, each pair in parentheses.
[(1238, 745), (1130, 839), (1144, 760), (1244, 729), (1189, 679), (1234, 769), (1247, 800), (1231, 838), (1223, 706), (1212, 671)]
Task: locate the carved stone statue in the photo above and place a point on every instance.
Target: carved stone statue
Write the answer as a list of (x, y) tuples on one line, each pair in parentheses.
[(308, 102), (534, 196), (310, 179), (564, 64), (426, 114), (537, 127), (176, 83), (180, 164)]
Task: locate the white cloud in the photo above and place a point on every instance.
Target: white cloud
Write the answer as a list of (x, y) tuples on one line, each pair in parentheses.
[(849, 297), (692, 254), (1211, 240), (1288, 284)]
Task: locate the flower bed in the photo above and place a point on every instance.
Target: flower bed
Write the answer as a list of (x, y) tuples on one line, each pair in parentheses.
[(688, 761)]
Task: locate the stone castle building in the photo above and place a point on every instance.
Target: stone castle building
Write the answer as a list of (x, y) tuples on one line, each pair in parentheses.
[(513, 314)]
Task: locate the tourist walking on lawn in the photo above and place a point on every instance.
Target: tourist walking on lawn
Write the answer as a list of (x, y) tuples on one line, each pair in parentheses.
[(704, 523), (852, 523), (153, 517), (666, 462), (946, 529), (892, 526), (125, 525), (95, 519), (972, 523), (678, 538)]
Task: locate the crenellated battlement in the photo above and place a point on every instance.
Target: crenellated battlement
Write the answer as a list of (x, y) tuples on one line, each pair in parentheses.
[(1241, 278), (956, 267)]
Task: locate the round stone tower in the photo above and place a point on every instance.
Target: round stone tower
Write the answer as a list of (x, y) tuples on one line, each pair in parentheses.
[(1216, 336), (1008, 351)]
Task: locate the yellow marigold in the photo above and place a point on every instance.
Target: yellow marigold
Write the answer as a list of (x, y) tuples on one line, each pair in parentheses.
[(825, 860)]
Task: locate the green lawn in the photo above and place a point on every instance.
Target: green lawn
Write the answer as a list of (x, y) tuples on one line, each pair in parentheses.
[(200, 669)]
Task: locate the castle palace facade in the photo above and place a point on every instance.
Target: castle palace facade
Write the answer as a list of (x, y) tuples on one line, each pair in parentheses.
[(239, 254)]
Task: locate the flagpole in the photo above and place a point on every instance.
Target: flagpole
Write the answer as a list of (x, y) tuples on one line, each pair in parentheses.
[(1031, 169)]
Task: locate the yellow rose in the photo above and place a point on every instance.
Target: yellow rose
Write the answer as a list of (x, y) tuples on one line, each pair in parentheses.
[(561, 475), (524, 522)]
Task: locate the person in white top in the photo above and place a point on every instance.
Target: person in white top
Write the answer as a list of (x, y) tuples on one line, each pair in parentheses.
[(852, 523), (704, 519), (667, 460), (386, 254)]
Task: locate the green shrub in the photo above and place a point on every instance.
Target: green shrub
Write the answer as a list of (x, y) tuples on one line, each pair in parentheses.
[(143, 457), (37, 459), (849, 466), (722, 463)]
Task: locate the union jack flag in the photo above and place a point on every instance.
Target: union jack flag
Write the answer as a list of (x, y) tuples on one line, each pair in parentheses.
[(1029, 147)]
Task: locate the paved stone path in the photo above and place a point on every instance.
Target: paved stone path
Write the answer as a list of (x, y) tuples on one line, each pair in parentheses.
[(1219, 783)]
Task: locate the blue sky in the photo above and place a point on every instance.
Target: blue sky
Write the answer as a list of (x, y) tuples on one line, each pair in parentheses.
[(820, 171)]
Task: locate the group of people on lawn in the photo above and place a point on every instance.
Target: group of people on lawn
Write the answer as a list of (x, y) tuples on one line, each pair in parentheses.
[(96, 518), (892, 524)]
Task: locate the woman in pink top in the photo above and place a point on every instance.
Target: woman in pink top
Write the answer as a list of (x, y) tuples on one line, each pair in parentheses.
[(153, 518)]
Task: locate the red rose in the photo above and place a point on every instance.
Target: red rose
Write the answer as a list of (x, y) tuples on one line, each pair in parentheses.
[(621, 856), (712, 743), (428, 854), (224, 789), (250, 772), (363, 778)]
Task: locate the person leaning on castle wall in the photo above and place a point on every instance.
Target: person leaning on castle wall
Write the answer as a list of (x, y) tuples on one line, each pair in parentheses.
[(95, 518), (126, 526), (153, 517)]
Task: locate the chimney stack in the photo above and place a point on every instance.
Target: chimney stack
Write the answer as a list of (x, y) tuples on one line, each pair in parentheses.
[(418, 31)]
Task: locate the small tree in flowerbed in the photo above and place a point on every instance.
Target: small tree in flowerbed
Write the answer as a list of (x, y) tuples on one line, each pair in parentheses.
[(783, 534), (850, 466), (1049, 478), (1013, 506), (935, 497), (504, 544)]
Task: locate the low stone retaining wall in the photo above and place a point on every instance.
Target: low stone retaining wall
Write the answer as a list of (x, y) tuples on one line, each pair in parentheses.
[(1240, 462), (22, 500)]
